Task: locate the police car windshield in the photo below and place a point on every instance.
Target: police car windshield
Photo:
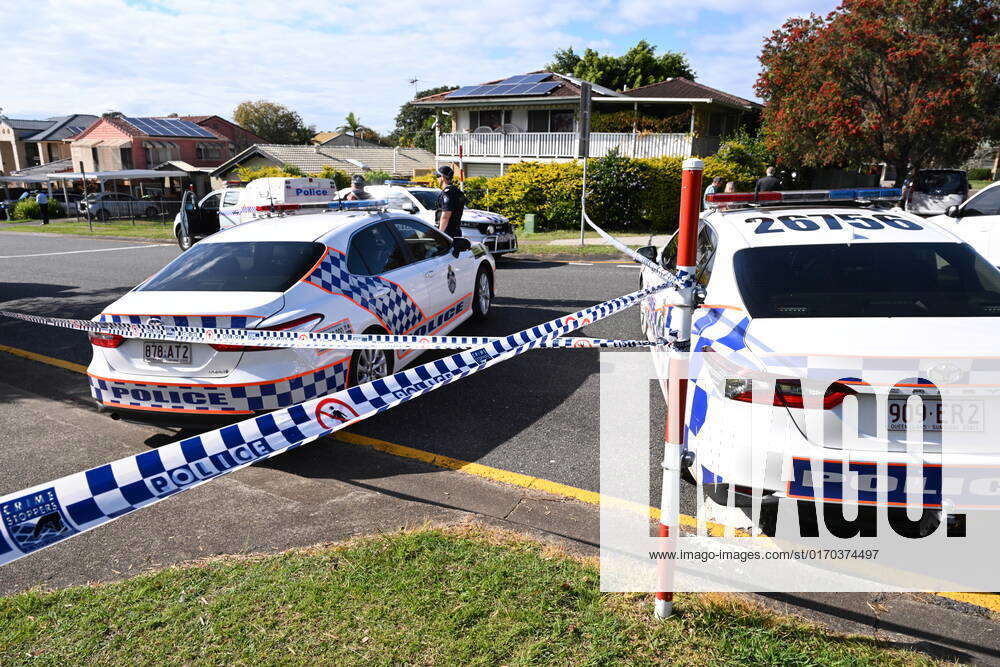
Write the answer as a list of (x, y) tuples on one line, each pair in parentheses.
[(868, 280), (237, 267), (427, 198)]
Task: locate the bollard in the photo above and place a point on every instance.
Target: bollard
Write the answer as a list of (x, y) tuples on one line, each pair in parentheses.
[(677, 380)]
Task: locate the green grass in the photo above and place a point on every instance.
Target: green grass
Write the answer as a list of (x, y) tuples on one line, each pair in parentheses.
[(569, 251), (978, 185), (455, 596), (141, 229)]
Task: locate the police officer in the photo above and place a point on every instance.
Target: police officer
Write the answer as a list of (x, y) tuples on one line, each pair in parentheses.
[(358, 189), (450, 204)]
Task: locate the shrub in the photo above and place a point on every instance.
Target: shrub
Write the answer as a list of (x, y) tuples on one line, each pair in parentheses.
[(341, 179), (980, 174), (376, 177), (292, 170), (622, 121), (624, 193), (249, 173), (28, 209)]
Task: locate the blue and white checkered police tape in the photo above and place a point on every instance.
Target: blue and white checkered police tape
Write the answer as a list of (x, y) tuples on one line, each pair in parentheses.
[(45, 514), (301, 339)]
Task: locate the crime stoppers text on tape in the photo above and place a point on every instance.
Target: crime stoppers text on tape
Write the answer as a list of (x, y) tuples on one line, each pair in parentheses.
[(46, 514), (300, 339)]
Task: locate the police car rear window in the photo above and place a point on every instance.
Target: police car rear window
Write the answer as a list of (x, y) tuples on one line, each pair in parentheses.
[(237, 267), (867, 280)]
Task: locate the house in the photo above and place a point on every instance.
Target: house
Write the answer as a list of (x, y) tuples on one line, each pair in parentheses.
[(536, 117), (238, 136), (341, 139), (402, 162), (29, 143), (123, 142)]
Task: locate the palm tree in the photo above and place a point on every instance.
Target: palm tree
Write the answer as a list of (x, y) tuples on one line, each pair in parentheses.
[(352, 124)]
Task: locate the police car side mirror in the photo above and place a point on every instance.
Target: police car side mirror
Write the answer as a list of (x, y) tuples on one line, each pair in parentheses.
[(953, 211), (459, 244), (649, 252), (410, 207)]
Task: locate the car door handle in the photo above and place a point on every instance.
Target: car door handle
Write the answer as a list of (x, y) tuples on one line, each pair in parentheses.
[(428, 274)]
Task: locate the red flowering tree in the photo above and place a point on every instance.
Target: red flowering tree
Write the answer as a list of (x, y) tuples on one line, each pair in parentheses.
[(898, 81)]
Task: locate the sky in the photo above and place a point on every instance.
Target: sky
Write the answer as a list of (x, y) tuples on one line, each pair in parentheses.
[(325, 59)]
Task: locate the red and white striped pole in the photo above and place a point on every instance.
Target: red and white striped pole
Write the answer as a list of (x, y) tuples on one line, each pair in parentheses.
[(677, 376)]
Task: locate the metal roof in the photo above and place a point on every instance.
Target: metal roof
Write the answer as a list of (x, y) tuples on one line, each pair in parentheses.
[(114, 175)]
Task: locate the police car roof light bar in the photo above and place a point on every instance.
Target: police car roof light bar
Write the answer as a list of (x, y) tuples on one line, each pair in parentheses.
[(358, 204), (400, 181), (794, 196)]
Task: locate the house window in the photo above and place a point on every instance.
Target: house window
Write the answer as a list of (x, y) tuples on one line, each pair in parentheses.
[(126, 153), (561, 121), (208, 151), (93, 156), (491, 118), (538, 120), (715, 123)]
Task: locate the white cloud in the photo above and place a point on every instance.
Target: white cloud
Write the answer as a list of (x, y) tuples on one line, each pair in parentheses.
[(191, 56)]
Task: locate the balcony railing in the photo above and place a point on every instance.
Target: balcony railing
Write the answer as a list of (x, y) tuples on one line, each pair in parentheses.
[(526, 145)]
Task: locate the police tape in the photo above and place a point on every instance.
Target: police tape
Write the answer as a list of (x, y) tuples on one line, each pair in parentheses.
[(302, 339), (671, 279), (45, 514)]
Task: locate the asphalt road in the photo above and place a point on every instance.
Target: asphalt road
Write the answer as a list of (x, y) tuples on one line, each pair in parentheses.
[(537, 414)]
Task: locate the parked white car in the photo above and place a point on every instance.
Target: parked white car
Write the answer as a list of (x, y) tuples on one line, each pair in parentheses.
[(932, 191), (977, 222), (844, 283), (491, 229), (307, 269)]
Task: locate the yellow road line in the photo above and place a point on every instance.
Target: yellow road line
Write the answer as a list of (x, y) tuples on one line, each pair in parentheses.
[(989, 601), (51, 361)]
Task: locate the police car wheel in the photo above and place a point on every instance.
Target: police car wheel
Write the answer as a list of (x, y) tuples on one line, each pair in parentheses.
[(185, 242), (369, 365), (482, 300)]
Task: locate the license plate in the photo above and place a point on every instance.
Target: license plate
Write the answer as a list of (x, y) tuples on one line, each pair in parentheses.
[(955, 416), (166, 353)]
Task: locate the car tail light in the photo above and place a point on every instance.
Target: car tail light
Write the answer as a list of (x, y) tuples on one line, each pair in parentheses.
[(291, 324), (787, 393), (105, 339)]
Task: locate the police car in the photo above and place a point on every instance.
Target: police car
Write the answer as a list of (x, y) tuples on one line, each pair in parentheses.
[(337, 267), (491, 229), (804, 281)]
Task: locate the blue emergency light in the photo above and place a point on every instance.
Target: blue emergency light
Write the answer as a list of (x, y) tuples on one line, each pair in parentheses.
[(358, 204)]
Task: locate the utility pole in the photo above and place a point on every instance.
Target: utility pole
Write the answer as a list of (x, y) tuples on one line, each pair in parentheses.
[(583, 148)]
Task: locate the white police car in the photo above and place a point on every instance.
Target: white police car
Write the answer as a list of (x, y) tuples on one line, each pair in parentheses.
[(306, 268), (800, 282), (491, 229), (977, 221)]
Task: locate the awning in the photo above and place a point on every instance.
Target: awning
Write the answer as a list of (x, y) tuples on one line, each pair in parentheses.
[(116, 175), (87, 143), (116, 143)]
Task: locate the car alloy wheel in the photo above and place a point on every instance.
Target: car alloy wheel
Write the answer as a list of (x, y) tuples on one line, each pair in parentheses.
[(185, 242), (482, 300), (370, 365)]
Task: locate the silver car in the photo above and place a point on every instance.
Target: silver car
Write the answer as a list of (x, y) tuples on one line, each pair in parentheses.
[(108, 205)]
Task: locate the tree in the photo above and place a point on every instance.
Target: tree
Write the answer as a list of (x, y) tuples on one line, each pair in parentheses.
[(352, 125), (895, 81), (272, 122), (640, 66), (414, 125)]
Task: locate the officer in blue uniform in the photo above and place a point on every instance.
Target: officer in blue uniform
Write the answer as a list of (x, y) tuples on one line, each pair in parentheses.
[(450, 204)]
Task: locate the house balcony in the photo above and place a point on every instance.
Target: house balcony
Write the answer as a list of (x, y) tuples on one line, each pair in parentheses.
[(546, 146)]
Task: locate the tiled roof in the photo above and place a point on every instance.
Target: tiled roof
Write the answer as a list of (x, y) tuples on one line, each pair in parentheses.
[(23, 124), (679, 87), (64, 127), (322, 137), (311, 159), (568, 87), (43, 169)]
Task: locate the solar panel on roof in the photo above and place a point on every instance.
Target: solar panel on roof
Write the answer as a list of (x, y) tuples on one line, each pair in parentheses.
[(462, 92), (522, 88), (169, 127), (515, 79), (535, 78), (542, 88)]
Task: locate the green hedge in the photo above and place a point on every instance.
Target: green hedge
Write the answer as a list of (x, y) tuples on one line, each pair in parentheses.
[(624, 193), (980, 174), (28, 209)]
